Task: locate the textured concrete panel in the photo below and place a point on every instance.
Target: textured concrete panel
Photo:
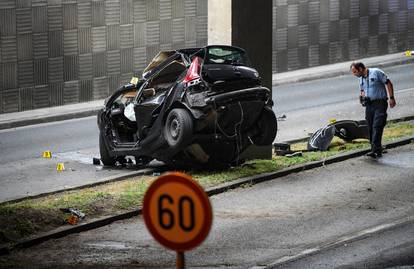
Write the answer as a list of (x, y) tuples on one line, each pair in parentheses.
[(354, 49), (293, 59), (126, 12), (324, 53), (99, 64), (354, 26), (9, 75), (281, 17), (281, 39), (41, 71), (201, 30), (153, 33), (98, 39), (40, 45), (54, 17), (25, 74), (354, 8), (127, 59), (71, 92), (344, 9), (402, 18), (178, 8), (324, 10), (7, 4), (314, 55), (344, 30), (113, 62), (84, 40), (11, 100), (85, 90), (56, 94), (165, 31), (334, 10), (153, 10), (324, 33), (7, 21), (24, 3), (8, 49), (393, 5), (126, 35), (363, 8), (84, 14), (26, 98), (383, 6), (373, 45), (41, 96), (292, 37), (24, 47), (140, 58), (202, 8), (39, 3), (190, 28), (383, 24), (113, 37), (140, 11), (190, 8), (70, 42), (293, 15), (303, 57), (113, 83), (55, 43), (55, 66), (303, 13), (39, 19), (24, 20), (166, 9), (100, 88), (98, 13), (178, 29), (70, 16), (85, 66), (373, 7), (373, 24), (303, 39), (54, 2), (140, 37), (112, 12), (314, 33), (151, 52), (335, 52), (70, 64), (392, 23), (363, 46), (281, 61), (314, 13), (383, 44), (334, 31)]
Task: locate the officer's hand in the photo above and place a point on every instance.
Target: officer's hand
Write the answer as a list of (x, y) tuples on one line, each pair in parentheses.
[(392, 103)]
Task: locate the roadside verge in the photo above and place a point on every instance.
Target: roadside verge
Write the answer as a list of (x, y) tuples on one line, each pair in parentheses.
[(64, 231)]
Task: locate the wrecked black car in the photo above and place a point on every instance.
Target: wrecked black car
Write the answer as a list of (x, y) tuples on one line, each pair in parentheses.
[(200, 106)]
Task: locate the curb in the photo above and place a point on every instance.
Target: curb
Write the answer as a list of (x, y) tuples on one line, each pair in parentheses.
[(212, 191), (46, 119), (336, 73), (347, 239), (106, 180)]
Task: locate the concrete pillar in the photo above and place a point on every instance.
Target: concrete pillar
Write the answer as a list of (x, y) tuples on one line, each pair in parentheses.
[(219, 22), (246, 24)]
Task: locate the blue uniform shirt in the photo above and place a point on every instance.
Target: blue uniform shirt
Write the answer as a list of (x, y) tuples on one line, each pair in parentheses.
[(374, 84)]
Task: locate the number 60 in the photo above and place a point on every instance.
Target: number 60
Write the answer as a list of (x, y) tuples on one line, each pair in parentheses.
[(166, 216)]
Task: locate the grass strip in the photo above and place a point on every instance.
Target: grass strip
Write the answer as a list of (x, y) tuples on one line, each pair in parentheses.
[(29, 217)]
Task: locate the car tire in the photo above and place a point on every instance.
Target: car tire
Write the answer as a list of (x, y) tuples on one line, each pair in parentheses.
[(267, 125), (105, 157), (178, 128)]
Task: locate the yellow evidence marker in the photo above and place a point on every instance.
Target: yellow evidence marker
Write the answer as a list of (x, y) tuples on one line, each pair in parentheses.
[(60, 167), (332, 120), (47, 154), (409, 53)]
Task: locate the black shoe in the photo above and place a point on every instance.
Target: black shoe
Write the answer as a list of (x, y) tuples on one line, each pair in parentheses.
[(374, 154)]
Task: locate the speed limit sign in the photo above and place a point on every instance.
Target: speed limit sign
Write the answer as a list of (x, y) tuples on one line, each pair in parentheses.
[(177, 211)]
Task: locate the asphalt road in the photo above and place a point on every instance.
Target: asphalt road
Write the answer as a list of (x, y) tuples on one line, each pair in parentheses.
[(307, 106), (255, 226)]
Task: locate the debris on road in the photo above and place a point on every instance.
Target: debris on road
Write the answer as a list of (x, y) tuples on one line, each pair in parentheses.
[(75, 215), (96, 161)]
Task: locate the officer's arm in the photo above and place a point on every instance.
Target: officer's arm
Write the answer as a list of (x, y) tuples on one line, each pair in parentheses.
[(390, 90)]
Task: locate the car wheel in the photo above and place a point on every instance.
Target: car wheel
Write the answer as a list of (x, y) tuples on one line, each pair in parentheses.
[(105, 157), (178, 128), (267, 125)]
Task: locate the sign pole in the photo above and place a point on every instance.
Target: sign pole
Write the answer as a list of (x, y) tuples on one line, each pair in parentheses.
[(180, 260)]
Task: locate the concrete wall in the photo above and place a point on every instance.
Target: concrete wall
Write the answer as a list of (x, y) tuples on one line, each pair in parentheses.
[(318, 32), (56, 52)]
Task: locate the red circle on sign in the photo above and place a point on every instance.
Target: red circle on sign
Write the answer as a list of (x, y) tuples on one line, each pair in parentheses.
[(177, 211)]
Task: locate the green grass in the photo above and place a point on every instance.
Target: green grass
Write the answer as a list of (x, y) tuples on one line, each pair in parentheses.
[(22, 219)]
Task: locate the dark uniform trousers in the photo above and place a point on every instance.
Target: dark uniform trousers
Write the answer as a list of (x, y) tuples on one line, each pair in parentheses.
[(376, 116)]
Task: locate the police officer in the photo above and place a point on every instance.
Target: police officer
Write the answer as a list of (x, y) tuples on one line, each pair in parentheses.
[(374, 86)]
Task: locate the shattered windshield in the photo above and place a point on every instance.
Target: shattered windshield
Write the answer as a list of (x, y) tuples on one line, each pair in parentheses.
[(227, 55)]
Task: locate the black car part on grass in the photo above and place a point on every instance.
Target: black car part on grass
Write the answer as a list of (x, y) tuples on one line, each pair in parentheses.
[(201, 106), (347, 130)]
